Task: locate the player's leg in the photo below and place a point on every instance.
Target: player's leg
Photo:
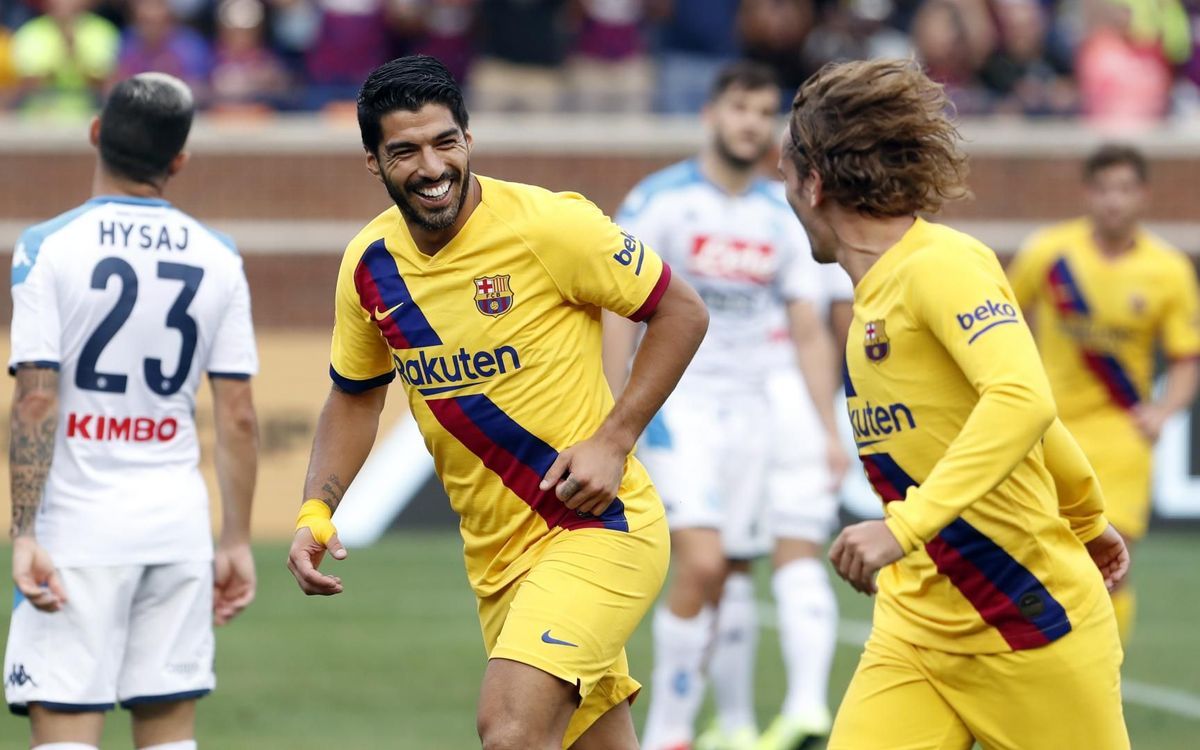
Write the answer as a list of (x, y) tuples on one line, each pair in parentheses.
[(62, 667), (612, 731), (803, 512), (568, 619), (892, 705), (681, 452), (169, 659)]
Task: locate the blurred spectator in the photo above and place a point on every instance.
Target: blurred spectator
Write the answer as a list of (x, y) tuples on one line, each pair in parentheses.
[(695, 41), (246, 72), (952, 51), (610, 71), (524, 48), (1022, 74), (8, 73), (441, 29), (774, 32), (353, 39), (63, 59), (294, 25), (1122, 81), (155, 40)]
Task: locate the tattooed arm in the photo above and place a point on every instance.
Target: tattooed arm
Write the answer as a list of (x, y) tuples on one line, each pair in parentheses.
[(31, 449), (345, 434)]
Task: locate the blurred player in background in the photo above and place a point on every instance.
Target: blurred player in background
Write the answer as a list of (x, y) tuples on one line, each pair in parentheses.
[(485, 296), (992, 622), (120, 307), (1102, 293), (711, 448)]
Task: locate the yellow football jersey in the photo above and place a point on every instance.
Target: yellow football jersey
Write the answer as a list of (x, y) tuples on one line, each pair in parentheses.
[(941, 374), (496, 340), (1098, 319)]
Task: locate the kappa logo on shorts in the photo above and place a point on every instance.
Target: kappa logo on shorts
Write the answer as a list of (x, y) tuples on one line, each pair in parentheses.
[(18, 677), (547, 638), (876, 343)]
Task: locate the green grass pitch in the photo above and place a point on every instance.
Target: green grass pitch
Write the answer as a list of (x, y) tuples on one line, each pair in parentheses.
[(395, 661)]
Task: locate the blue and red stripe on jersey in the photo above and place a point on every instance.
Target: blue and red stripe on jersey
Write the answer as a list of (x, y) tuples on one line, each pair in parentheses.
[(989, 578), (518, 457), (382, 289), (1068, 297), (1113, 377)]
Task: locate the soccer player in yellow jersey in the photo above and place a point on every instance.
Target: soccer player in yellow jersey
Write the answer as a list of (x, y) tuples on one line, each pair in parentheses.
[(484, 298), (991, 622), (1101, 294)]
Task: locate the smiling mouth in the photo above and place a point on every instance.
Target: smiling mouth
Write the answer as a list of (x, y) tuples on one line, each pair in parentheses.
[(434, 196)]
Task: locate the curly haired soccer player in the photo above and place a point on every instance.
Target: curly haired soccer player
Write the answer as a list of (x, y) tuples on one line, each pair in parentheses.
[(992, 622), (485, 297)]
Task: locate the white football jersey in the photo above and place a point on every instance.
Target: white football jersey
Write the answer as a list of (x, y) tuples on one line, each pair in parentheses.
[(747, 256), (132, 301)]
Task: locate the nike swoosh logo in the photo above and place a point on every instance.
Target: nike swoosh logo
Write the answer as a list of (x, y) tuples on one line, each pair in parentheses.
[(547, 638), (381, 315)]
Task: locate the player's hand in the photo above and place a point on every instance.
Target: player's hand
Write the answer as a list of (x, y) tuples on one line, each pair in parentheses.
[(587, 476), (33, 572), (861, 550), (1111, 556), (836, 459), (305, 557), (1150, 420), (234, 581)]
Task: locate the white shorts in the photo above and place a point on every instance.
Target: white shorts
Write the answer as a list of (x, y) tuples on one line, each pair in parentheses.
[(707, 455), (128, 634), (801, 502)]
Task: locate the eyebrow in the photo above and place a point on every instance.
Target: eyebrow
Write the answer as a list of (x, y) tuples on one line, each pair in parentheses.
[(397, 145)]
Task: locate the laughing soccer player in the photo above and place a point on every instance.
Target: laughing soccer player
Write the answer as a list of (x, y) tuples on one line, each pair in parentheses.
[(992, 623), (485, 297)]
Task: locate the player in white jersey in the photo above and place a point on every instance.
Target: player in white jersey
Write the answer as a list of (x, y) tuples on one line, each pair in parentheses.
[(730, 233), (120, 307)]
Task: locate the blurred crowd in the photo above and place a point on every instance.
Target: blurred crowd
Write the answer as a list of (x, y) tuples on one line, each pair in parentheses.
[(1108, 59)]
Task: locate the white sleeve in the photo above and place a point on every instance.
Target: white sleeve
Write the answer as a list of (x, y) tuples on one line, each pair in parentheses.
[(798, 277), (36, 332), (234, 354), (638, 217), (836, 282)]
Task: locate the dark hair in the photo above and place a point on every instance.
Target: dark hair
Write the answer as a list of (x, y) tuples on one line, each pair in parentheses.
[(144, 125), (743, 74), (407, 83), (878, 134), (1116, 154)]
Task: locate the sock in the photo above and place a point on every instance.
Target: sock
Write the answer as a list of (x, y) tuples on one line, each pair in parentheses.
[(1125, 607), (677, 685), (731, 667), (807, 634), (177, 745), (66, 746)]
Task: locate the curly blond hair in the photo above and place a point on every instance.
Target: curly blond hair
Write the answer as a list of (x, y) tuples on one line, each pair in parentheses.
[(879, 134)]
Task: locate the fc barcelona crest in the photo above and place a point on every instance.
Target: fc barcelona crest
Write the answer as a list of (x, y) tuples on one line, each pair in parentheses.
[(876, 343), (493, 295)]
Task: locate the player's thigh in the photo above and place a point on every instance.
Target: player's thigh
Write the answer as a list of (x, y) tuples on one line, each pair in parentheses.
[(47, 726), (1065, 694), (69, 661), (171, 645), (681, 450), (891, 704), (522, 706), (160, 723), (612, 731)]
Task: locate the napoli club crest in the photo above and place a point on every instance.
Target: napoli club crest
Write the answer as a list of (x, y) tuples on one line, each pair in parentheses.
[(493, 295), (876, 343)]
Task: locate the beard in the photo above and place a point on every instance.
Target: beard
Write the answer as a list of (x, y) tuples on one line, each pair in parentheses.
[(430, 221), (727, 155)]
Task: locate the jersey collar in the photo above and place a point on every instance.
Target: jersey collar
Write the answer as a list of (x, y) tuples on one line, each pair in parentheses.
[(130, 199)]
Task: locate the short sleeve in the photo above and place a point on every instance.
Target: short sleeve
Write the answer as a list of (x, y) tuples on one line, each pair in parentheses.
[(234, 353), (359, 358), (1180, 324), (799, 275), (1026, 271), (36, 331), (836, 283), (595, 262)]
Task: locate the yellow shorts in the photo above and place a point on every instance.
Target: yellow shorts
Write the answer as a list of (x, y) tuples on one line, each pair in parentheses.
[(1064, 695), (572, 612), (1122, 460)]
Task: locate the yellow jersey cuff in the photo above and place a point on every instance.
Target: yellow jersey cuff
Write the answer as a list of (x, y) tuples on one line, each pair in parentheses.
[(900, 529), (1089, 531), (317, 517)]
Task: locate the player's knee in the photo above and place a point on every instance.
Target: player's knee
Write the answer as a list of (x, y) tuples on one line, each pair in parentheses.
[(507, 732)]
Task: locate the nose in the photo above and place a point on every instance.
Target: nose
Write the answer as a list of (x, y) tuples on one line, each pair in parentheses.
[(431, 165)]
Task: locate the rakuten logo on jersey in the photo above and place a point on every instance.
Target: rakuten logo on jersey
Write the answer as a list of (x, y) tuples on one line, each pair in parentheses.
[(737, 260), (127, 429)]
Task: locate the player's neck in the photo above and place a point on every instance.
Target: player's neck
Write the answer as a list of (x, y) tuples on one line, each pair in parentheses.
[(1112, 245), (104, 183), (732, 179), (862, 240), (430, 242)]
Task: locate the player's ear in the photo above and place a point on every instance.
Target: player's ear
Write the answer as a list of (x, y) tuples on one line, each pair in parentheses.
[(813, 192), (178, 163), (372, 163), (94, 131), (470, 139)]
